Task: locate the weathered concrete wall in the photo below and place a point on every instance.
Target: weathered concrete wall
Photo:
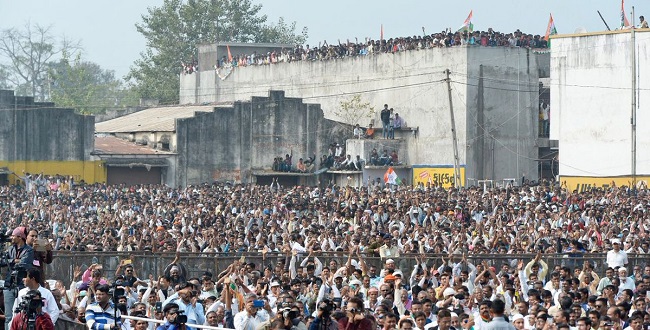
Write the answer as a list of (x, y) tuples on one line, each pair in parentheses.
[(43, 133), (591, 96), (502, 121), (412, 83), (228, 143)]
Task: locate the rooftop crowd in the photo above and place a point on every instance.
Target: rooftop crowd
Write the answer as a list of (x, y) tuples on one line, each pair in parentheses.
[(297, 223), (326, 51)]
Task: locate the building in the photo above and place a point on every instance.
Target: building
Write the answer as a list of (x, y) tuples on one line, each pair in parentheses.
[(40, 138), (494, 92), (592, 89)]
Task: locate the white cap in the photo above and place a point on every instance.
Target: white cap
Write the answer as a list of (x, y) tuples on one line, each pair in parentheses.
[(275, 283), (517, 317), (448, 292)]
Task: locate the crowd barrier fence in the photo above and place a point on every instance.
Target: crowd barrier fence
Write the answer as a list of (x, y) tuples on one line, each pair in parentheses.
[(146, 263)]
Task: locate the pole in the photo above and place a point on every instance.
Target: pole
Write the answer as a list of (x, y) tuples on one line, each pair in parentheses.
[(633, 119), (453, 133), (601, 17)]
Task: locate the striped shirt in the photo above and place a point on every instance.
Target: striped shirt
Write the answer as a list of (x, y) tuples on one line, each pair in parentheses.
[(98, 318)]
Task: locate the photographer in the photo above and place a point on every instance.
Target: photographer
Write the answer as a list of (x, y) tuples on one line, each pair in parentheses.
[(42, 252), (102, 315), (186, 298), (20, 259), (355, 318), (172, 320), (323, 320), (32, 282), (32, 308)]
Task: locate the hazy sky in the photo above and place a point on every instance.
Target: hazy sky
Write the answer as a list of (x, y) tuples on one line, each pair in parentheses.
[(107, 28)]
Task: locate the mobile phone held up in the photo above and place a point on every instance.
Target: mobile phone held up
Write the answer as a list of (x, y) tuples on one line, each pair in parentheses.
[(258, 303)]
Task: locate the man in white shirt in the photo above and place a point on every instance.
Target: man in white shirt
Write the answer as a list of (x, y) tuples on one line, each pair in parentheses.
[(626, 282), (616, 257), (32, 282), (251, 316)]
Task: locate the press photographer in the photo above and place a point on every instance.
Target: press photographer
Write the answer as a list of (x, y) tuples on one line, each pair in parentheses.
[(174, 318), (102, 315), (30, 312), (19, 259), (32, 282), (323, 320)]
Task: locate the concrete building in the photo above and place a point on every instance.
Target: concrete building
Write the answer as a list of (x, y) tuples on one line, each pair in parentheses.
[(196, 144), (494, 92), (591, 107), (38, 137)]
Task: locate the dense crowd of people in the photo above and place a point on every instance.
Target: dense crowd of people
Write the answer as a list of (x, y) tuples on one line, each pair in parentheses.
[(300, 291), (326, 51)]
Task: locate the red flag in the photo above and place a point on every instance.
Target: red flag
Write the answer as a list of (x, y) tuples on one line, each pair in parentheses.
[(229, 55), (624, 22), (381, 33)]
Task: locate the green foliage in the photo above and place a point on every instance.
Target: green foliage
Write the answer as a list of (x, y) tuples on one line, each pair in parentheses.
[(84, 86), (354, 110), (175, 29)]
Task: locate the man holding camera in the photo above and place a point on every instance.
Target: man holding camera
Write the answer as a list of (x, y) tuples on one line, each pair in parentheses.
[(102, 315), (173, 318), (20, 259), (42, 252), (35, 306), (251, 316), (323, 320), (32, 282), (354, 316), (187, 300)]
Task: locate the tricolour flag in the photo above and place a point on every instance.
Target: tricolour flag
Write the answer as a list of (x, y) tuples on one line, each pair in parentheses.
[(229, 55), (624, 22), (467, 25), (390, 177), (550, 29)]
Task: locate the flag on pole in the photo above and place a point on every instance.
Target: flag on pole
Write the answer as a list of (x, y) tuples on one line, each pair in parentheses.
[(390, 177), (467, 25), (229, 55), (550, 29), (381, 33), (624, 22)]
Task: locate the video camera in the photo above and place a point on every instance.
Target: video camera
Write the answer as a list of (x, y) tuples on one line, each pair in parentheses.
[(4, 238), (30, 304), (326, 306), (181, 318)]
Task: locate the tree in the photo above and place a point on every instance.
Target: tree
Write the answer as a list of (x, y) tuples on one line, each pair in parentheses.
[(29, 51), (174, 30), (353, 110), (4, 77), (83, 85)]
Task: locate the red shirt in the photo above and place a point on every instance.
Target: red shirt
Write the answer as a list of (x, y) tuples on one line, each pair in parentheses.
[(43, 322)]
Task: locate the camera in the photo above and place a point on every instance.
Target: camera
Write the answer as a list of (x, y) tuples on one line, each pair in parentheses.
[(326, 306), (4, 238), (288, 314), (181, 318), (30, 304)]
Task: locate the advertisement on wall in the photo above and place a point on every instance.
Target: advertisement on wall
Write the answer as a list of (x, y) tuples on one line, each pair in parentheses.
[(436, 175), (586, 183)]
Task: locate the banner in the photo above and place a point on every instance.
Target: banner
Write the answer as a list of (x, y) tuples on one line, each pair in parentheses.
[(437, 174), (586, 183)]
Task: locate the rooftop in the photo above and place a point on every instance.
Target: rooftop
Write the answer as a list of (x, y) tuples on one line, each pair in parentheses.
[(110, 145), (161, 119)]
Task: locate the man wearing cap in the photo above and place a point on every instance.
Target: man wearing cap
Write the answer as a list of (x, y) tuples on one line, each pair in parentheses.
[(20, 258), (616, 257)]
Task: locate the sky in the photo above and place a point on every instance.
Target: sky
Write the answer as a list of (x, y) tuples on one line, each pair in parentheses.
[(106, 28)]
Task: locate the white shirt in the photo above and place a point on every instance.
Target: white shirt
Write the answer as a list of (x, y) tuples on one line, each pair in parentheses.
[(616, 259), (49, 303), (243, 321)]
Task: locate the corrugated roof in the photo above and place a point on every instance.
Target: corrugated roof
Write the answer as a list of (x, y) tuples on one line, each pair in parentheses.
[(110, 145), (151, 120)]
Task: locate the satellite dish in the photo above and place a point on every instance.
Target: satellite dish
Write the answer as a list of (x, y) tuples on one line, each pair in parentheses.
[(581, 30)]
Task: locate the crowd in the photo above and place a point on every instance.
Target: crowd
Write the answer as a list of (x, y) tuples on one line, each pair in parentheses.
[(325, 51), (297, 290)]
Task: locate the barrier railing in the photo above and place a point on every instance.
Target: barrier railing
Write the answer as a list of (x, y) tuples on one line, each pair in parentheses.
[(146, 263), (198, 326)]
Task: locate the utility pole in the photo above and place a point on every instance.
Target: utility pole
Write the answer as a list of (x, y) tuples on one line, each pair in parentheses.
[(633, 119), (457, 182)]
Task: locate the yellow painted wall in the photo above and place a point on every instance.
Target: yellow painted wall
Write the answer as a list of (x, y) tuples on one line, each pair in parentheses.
[(584, 183), (89, 171), (444, 174)]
